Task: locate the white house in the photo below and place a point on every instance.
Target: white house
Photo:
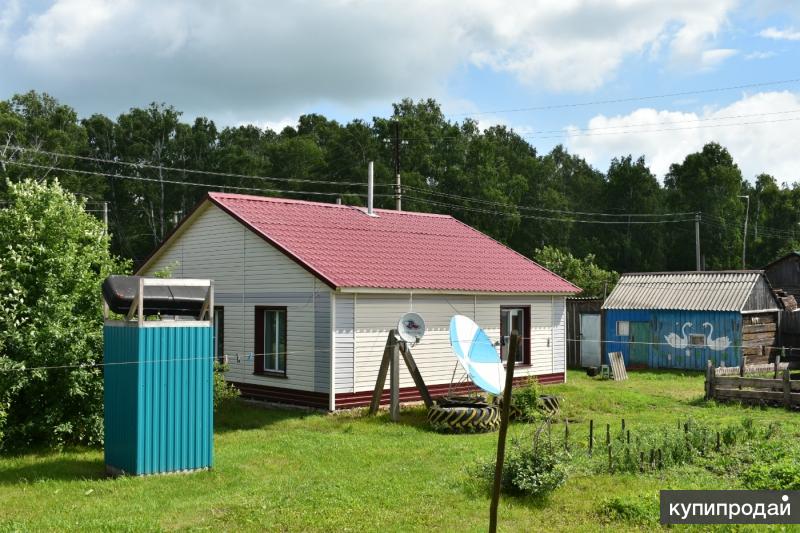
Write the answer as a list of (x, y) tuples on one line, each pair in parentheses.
[(307, 292)]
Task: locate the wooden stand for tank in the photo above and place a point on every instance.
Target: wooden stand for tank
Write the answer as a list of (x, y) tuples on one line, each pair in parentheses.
[(391, 363)]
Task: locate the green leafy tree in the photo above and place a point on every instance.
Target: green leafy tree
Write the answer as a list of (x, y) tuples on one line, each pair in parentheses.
[(708, 182), (54, 258), (582, 272)]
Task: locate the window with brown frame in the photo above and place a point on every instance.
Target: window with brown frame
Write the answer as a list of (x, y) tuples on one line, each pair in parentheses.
[(270, 341), (516, 318), (219, 333)]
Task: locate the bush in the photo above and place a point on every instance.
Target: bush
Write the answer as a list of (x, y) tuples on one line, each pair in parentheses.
[(526, 399), (54, 258), (530, 469), (643, 510), (783, 474), (223, 391)]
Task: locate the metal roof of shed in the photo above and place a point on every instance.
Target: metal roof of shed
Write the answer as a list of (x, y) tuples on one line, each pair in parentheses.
[(690, 291)]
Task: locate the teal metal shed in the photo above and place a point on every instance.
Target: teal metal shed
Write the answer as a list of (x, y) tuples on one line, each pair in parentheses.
[(158, 378), (685, 319)]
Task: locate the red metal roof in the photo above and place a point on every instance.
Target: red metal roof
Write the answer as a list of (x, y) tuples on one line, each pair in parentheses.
[(345, 247)]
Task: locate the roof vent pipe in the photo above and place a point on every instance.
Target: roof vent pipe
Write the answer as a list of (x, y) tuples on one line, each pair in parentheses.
[(370, 186)]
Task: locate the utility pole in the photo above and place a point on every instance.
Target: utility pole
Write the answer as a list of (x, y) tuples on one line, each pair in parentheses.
[(105, 215), (398, 192), (697, 241), (744, 239)]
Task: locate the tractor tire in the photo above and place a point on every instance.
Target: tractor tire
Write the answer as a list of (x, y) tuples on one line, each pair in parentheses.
[(475, 418)]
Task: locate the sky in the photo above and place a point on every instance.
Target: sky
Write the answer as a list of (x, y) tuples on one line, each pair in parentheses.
[(606, 78)]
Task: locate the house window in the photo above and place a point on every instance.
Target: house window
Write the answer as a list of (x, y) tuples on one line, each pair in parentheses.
[(698, 341), (219, 334), (270, 345), (519, 319), (623, 328)]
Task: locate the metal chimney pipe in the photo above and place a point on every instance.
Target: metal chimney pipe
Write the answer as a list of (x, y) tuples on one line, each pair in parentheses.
[(370, 186)]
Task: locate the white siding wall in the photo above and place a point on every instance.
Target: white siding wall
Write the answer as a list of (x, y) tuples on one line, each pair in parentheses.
[(344, 337), (375, 315), (248, 272)]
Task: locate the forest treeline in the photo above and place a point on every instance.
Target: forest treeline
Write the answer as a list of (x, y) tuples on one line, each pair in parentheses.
[(142, 162)]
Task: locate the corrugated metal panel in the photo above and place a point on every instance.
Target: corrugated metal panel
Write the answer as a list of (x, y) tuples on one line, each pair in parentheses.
[(688, 291), (658, 351), (158, 398)]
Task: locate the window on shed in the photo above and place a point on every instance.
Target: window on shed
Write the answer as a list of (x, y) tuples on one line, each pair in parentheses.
[(270, 345), (697, 340), (623, 328)]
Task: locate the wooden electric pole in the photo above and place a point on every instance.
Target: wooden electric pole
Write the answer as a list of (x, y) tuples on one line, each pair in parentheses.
[(505, 409), (697, 241)]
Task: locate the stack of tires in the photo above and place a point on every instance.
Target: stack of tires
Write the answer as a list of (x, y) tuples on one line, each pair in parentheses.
[(464, 414)]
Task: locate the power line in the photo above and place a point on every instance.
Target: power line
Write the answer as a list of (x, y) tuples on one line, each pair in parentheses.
[(543, 209), (632, 99), (174, 182), (192, 171), (535, 217), (586, 131), (577, 133)]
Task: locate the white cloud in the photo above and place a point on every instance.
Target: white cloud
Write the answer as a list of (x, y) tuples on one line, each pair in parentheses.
[(241, 58), (9, 15), (760, 55), (274, 125), (712, 58), (759, 130), (781, 35)]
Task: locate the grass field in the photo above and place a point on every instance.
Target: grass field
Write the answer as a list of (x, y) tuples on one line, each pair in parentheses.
[(296, 471)]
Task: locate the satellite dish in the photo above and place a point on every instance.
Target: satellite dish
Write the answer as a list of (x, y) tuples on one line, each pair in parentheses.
[(411, 327), (477, 355)]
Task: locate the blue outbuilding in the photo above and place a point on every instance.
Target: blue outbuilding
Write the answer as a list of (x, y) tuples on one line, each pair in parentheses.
[(684, 319)]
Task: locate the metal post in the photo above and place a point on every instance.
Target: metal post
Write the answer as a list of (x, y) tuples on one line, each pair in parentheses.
[(501, 439), (370, 185), (398, 192), (105, 215), (697, 241)]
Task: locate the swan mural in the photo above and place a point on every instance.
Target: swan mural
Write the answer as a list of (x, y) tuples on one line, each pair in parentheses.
[(718, 344), (679, 342)]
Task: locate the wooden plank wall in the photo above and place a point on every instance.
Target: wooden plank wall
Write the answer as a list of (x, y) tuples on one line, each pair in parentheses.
[(759, 330)]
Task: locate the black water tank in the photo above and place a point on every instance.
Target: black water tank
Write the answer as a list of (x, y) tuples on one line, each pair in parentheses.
[(119, 292)]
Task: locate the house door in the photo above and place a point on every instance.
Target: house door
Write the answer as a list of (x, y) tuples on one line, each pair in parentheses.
[(640, 343), (513, 318), (590, 340)]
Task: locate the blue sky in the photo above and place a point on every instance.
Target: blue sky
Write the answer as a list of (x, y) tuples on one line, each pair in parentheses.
[(267, 63)]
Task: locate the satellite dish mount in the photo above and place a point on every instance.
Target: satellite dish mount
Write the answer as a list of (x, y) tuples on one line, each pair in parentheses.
[(409, 331)]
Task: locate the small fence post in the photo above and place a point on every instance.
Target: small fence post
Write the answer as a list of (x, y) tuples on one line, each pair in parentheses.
[(591, 436), (566, 435), (709, 380), (787, 389), (608, 434), (742, 365), (777, 366)]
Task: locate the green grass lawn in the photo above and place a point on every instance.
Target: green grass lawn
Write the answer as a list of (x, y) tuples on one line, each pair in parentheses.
[(295, 471)]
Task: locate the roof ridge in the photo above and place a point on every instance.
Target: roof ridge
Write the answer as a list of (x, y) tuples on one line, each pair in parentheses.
[(278, 199)]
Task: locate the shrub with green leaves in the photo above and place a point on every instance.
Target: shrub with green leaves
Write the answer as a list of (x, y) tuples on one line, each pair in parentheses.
[(530, 469), (782, 474), (642, 510), (526, 399), (54, 258), (223, 391)]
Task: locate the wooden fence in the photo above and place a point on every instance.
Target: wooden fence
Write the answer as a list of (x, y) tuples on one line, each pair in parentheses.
[(780, 389)]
